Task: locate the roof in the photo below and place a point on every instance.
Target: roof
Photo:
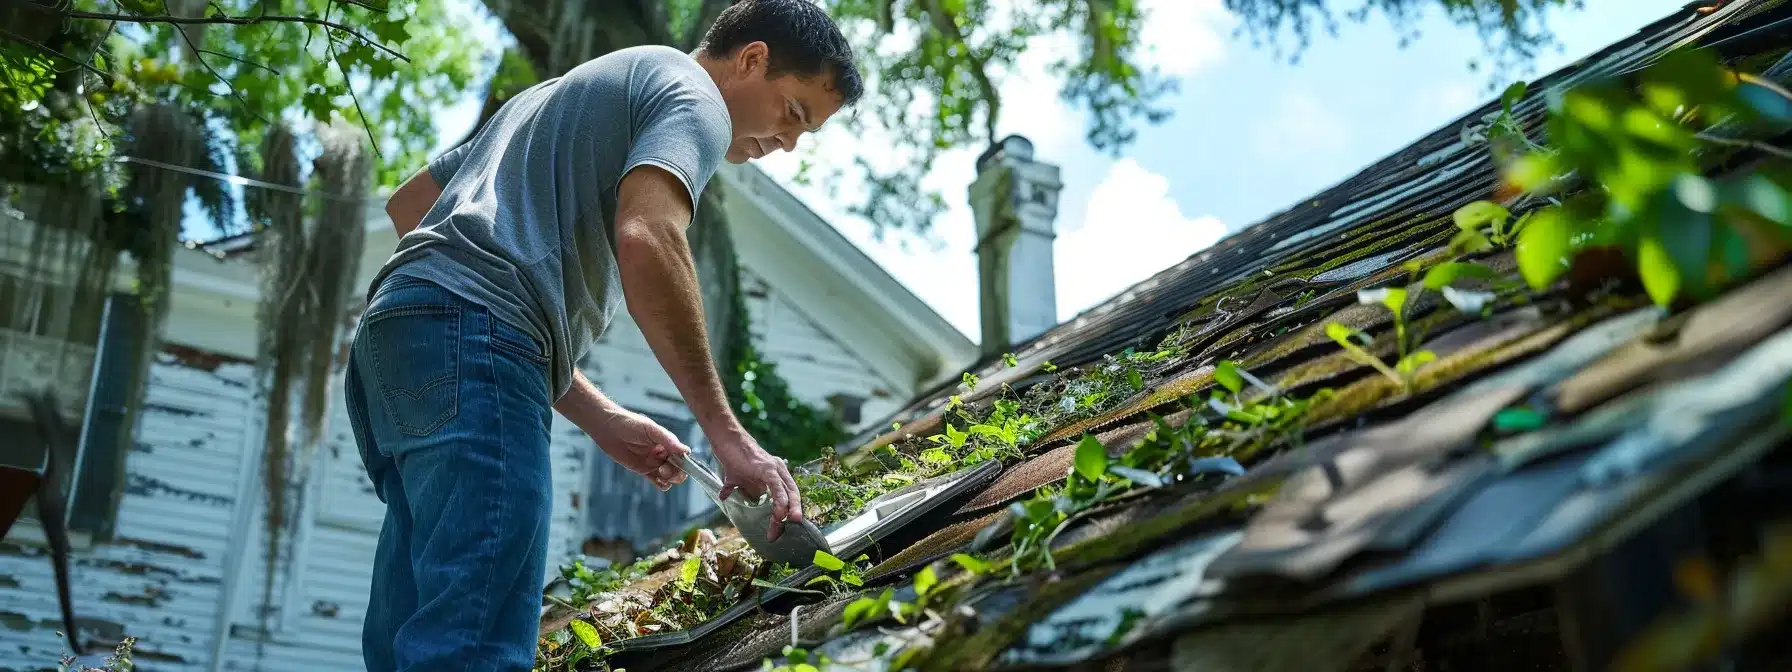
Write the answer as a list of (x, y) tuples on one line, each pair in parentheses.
[(1307, 521)]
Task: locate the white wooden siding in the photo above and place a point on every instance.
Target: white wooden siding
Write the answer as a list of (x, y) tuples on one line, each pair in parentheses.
[(815, 363), (159, 580), (318, 622)]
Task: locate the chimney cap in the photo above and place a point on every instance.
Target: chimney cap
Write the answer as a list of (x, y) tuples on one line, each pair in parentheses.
[(1014, 145)]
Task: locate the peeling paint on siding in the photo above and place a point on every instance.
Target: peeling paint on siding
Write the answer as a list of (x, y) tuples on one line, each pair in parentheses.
[(159, 579)]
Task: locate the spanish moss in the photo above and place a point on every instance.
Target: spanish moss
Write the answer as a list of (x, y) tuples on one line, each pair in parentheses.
[(308, 271)]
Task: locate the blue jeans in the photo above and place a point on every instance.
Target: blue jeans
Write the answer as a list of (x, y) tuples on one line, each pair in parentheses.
[(451, 410)]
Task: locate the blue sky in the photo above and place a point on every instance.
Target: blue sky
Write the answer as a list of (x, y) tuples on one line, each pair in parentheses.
[(1250, 135)]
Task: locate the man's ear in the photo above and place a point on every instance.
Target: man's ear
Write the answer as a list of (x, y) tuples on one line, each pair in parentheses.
[(752, 60)]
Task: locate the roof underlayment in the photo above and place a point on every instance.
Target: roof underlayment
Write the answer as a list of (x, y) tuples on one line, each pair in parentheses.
[(1551, 430)]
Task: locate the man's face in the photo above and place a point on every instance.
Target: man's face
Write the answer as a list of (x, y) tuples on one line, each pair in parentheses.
[(772, 114)]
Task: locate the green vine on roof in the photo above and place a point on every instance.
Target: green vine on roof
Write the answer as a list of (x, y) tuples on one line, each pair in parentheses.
[(1643, 147), (780, 422)]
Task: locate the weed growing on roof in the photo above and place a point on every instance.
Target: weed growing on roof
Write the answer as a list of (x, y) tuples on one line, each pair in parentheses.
[(710, 576), (1644, 151), (851, 575), (1406, 337), (587, 583)]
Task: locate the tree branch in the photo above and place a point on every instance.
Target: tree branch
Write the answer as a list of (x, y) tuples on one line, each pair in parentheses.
[(243, 61), (217, 19), (349, 83), (208, 68), (1746, 144), (15, 37), (947, 25)]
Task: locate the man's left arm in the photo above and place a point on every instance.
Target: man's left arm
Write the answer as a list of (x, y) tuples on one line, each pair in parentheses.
[(417, 195)]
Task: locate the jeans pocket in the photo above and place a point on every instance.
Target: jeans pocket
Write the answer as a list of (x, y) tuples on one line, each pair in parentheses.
[(416, 365), (515, 341)]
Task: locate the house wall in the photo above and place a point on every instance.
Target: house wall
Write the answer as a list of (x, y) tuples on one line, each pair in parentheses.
[(190, 549), (159, 580)]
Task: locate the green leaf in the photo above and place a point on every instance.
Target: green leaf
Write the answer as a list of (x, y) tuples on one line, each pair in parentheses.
[(586, 633), (1091, 458), (1542, 246), (1227, 374), (925, 581), (1442, 275), (1010, 361), (319, 104), (687, 574), (1395, 300), (827, 561), (390, 31), (1466, 242), (1134, 379), (971, 563), (1410, 364), (1512, 95), (1532, 172), (955, 436), (1686, 236), (937, 455), (852, 579), (1656, 265), (867, 608), (1731, 250), (1048, 366), (1341, 333), (1478, 214)]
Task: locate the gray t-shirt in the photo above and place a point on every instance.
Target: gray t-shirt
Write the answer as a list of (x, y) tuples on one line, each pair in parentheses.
[(525, 223)]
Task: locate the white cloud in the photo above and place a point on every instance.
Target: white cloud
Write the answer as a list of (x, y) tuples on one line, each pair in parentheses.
[(1301, 127), (1132, 229), (1183, 36), (1031, 104)]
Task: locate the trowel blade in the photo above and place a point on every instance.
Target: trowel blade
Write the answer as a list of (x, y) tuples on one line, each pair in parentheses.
[(796, 545)]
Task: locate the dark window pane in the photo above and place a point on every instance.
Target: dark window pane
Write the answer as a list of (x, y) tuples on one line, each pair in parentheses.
[(107, 430)]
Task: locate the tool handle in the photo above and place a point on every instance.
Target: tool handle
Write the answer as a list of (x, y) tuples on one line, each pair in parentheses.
[(705, 478)]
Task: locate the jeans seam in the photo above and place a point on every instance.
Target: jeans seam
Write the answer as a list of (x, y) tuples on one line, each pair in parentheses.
[(486, 615)]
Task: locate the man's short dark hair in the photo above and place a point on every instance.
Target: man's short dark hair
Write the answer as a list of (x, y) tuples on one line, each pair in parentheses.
[(801, 37)]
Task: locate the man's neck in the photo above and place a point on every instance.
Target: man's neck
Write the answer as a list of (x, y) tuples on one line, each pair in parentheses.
[(716, 67)]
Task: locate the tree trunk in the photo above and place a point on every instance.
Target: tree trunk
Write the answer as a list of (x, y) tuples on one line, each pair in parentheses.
[(557, 35)]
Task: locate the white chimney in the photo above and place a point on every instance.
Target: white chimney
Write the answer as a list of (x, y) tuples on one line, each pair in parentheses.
[(1015, 200)]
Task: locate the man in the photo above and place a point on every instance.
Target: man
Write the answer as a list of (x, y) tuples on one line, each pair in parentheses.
[(515, 250)]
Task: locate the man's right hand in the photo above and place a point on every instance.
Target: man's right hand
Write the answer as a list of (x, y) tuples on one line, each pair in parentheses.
[(748, 468), (642, 445)]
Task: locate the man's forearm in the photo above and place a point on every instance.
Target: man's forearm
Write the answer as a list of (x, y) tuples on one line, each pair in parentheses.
[(584, 404), (659, 282)]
